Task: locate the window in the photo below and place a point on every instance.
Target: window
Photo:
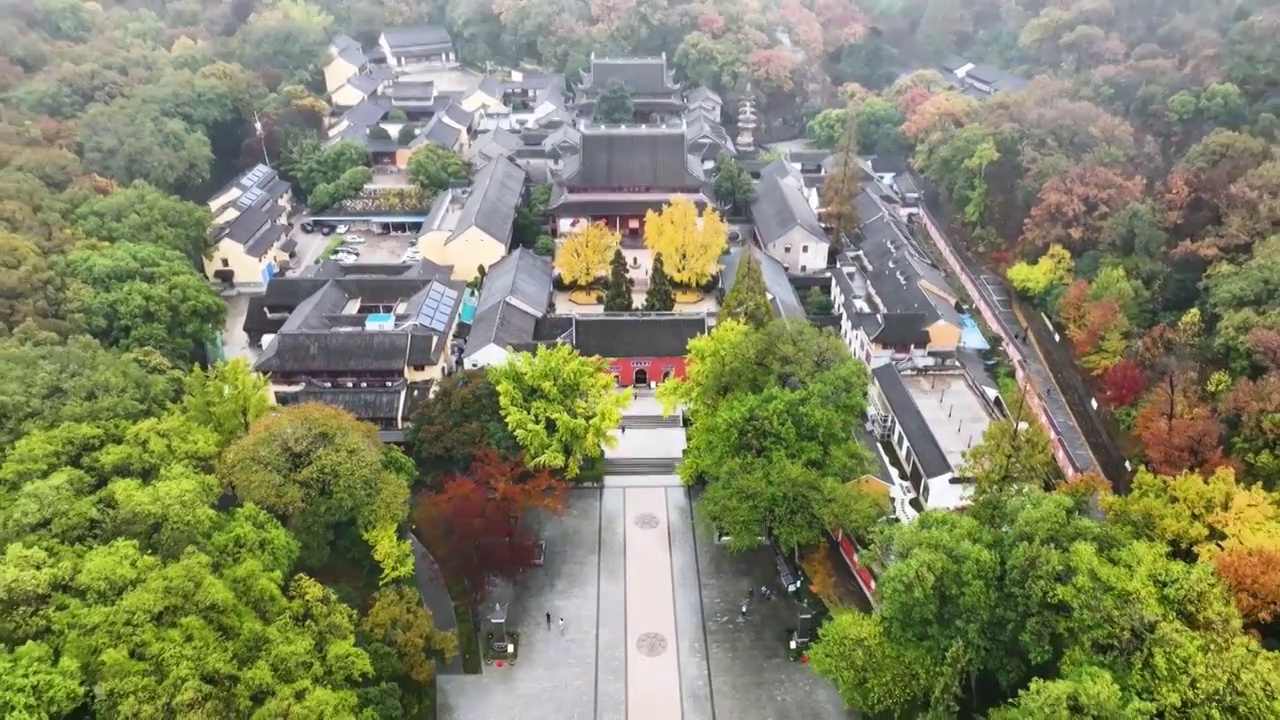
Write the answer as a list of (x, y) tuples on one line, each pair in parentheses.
[(639, 363), (803, 267), (226, 262), (804, 248), (419, 368), (786, 248)]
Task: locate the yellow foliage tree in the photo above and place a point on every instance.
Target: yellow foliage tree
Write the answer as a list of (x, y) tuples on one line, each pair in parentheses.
[(1053, 268), (690, 249), (584, 255)]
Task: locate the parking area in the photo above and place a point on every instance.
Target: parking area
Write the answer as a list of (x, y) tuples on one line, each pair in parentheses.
[(367, 243)]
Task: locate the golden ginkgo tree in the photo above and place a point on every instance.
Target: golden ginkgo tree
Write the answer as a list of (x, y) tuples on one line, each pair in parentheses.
[(690, 244), (584, 254)]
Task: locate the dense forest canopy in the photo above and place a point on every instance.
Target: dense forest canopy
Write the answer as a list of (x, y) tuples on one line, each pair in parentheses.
[(1131, 192)]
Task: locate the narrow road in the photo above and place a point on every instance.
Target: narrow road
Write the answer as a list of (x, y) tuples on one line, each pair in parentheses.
[(996, 305), (435, 595)]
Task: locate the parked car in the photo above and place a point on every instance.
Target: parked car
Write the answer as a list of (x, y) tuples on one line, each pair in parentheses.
[(307, 227), (342, 228), (348, 250), (325, 230), (355, 240)]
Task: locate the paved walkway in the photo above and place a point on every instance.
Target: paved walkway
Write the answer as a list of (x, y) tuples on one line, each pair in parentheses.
[(435, 596), (626, 568), (995, 304)]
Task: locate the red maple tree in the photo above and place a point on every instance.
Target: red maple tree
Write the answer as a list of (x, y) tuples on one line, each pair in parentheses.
[(1123, 383), (472, 525), (1177, 427)]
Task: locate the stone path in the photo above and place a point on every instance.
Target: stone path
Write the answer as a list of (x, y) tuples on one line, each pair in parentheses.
[(626, 568), (435, 596)]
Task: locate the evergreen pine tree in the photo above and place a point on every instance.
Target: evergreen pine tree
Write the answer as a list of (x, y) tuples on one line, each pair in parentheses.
[(840, 191), (660, 298), (617, 294), (747, 300)]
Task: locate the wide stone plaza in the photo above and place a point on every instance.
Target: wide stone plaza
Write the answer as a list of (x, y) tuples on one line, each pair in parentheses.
[(652, 614)]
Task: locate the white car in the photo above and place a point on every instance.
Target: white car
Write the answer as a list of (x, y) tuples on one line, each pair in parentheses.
[(341, 229), (354, 240), (345, 257)]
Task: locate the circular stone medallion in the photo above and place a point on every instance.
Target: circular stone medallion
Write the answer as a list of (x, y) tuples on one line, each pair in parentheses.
[(651, 644), (646, 521)]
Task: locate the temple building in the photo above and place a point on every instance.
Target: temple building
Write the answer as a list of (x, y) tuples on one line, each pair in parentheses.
[(654, 92), (616, 174)]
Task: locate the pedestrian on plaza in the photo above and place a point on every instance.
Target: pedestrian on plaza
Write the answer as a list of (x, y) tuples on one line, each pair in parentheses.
[(548, 619), (622, 428), (561, 627), (744, 611)]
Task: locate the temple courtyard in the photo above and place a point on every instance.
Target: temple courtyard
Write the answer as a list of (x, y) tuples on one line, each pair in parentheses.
[(653, 628)]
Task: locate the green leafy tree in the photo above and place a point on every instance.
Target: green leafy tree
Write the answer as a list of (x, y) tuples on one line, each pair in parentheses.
[(132, 296), (312, 166), (878, 122), (1025, 586), (348, 185), (747, 300), (817, 302), (436, 167), (827, 127), (140, 213), (46, 380), (321, 472), (660, 297), (225, 398), (406, 134), (732, 185), (397, 621), (617, 293), (30, 287), (773, 436), (459, 419), (614, 106), (127, 140), (545, 246), (1012, 453), (559, 405)]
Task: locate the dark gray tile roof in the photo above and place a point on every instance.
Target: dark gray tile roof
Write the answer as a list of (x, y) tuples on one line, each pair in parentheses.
[(416, 37), (933, 462), (642, 76), (898, 265), (491, 206), (782, 295), (505, 325), (410, 90), (342, 41), (902, 329), (381, 403), (459, 115), (265, 239), (367, 112), (633, 157), (366, 84), (999, 80), (494, 144), (489, 85), (521, 275), (439, 132), (516, 292), (780, 205), (702, 94), (953, 63), (701, 126), (320, 336), (636, 337)]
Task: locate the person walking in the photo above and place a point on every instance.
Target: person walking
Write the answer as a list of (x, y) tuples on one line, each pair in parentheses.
[(548, 619), (561, 627), (743, 614)]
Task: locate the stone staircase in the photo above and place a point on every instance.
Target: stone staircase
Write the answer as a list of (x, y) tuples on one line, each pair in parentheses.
[(643, 422), (640, 466)]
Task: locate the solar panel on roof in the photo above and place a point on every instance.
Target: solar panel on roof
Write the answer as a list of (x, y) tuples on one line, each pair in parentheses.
[(253, 176), (249, 197)]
